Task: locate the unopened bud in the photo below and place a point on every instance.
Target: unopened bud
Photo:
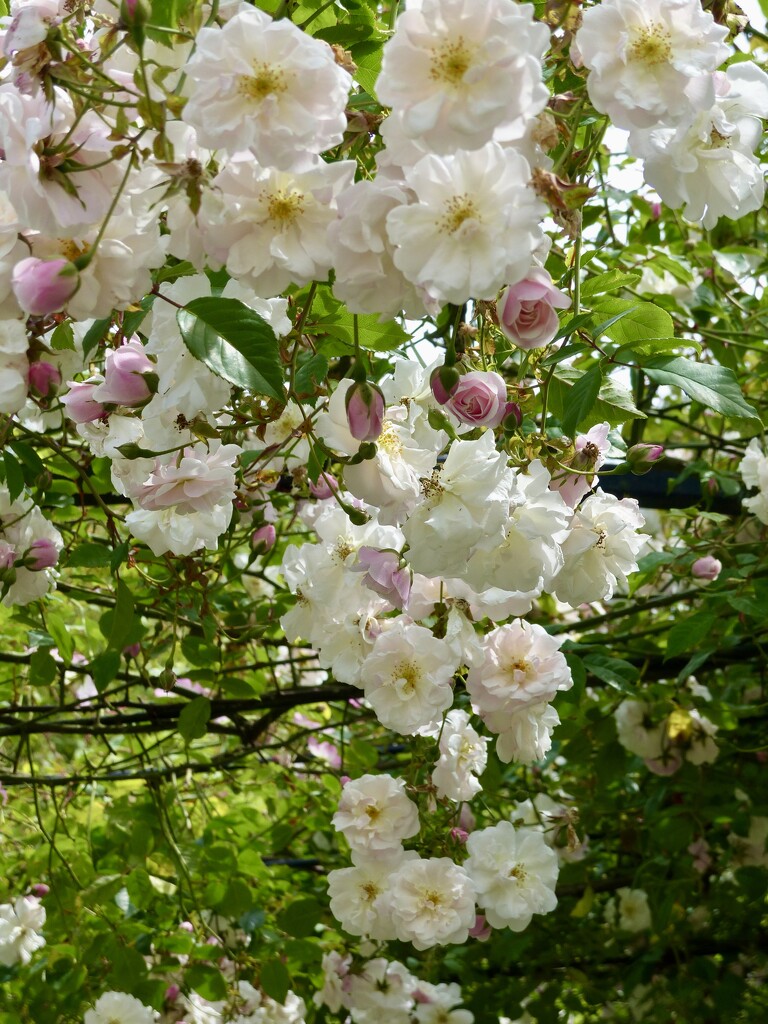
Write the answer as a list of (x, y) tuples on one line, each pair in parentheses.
[(444, 380), (641, 457), (327, 485), (44, 286), (264, 538), (44, 378), (41, 554), (706, 569), (365, 410)]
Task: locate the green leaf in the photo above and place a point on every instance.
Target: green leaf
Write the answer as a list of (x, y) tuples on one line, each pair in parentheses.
[(58, 629), (311, 374), (611, 281), (139, 888), (208, 982), (94, 334), (116, 625), (103, 669), (640, 321), (89, 556), (614, 671), (581, 399), (300, 918), (234, 342), (716, 387), (42, 669), (14, 476), (614, 402), (690, 632), (275, 980), (194, 718), (62, 337)]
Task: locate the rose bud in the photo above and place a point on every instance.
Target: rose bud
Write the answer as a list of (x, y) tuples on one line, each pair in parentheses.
[(41, 554), (641, 457), (480, 398), (444, 380), (80, 404), (7, 555), (44, 378), (263, 538), (44, 286), (327, 485), (527, 310), (706, 569), (125, 373), (40, 889), (365, 411)]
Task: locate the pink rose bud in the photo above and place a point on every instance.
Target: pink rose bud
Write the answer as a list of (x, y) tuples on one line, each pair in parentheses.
[(641, 457), (383, 575), (125, 382), (707, 568), (345, 778), (132, 650), (187, 926), (527, 310), (263, 538), (44, 378), (458, 835), (7, 555), (513, 417), (480, 398), (44, 286), (444, 380), (41, 554), (327, 485), (480, 930), (40, 890), (80, 404), (365, 411), (655, 211), (172, 993)]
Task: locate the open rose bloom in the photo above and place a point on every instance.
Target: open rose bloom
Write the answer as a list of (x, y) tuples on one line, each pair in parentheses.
[(527, 311)]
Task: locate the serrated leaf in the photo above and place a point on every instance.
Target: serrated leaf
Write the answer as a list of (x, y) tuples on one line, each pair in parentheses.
[(311, 375), (207, 981), (581, 399), (690, 632), (62, 338), (42, 668), (636, 322), (614, 671), (275, 980), (235, 343), (103, 669), (194, 718), (58, 629), (94, 334), (14, 476), (716, 387), (139, 888), (610, 281), (89, 556), (614, 402), (300, 918), (116, 625)]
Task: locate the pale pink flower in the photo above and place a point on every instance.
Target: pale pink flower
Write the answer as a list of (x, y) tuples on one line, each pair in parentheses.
[(365, 411), (480, 398), (80, 404), (706, 569), (124, 380), (196, 481), (44, 286), (527, 311)]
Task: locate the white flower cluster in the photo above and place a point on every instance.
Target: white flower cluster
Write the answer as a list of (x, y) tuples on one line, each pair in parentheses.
[(629, 911), (20, 926), (390, 892), (119, 1008), (383, 988), (247, 1005), (664, 745), (653, 70), (753, 469), (29, 548)]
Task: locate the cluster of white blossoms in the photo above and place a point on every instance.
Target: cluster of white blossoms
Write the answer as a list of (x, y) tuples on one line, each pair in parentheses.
[(245, 1004), (29, 550), (629, 910), (753, 470), (385, 988), (391, 892), (20, 926), (664, 745), (653, 71)]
